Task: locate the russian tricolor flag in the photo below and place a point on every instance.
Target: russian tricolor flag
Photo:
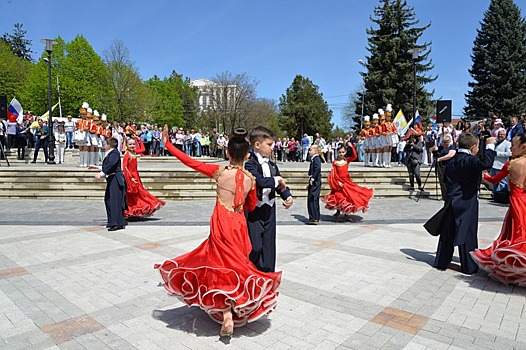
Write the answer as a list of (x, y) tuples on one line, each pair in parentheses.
[(15, 112)]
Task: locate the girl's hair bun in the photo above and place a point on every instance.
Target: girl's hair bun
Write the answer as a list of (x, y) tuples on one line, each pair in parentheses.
[(239, 134)]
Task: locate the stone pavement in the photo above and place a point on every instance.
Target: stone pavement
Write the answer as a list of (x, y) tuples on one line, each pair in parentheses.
[(67, 283)]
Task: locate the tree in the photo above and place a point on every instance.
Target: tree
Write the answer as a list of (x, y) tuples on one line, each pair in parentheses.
[(85, 78), (389, 77), (129, 98), (189, 97), (261, 112), (13, 73), (168, 106), (229, 97), (303, 109), (20, 46), (349, 115), (499, 65), (35, 89)]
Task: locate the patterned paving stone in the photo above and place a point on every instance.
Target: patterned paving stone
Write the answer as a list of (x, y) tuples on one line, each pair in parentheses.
[(365, 285)]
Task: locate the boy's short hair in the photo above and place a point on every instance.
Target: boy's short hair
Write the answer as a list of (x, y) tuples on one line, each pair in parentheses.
[(112, 142), (260, 133), (467, 140), (316, 148)]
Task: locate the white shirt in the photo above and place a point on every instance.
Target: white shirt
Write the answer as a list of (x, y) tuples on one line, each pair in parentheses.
[(265, 192)]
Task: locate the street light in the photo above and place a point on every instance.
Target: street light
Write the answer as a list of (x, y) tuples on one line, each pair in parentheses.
[(414, 52), (362, 63), (51, 139)]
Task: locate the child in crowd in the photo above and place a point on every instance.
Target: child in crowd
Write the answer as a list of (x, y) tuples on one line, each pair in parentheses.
[(262, 220), (60, 143)]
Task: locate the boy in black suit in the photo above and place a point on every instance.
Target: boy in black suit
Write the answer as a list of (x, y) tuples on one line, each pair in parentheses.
[(262, 221), (115, 195), (314, 187), (462, 179)]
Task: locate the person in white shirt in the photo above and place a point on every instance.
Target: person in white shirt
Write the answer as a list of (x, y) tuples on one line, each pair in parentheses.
[(60, 143)]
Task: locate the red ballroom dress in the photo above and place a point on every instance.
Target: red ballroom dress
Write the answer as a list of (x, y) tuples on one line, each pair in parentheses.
[(505, 259), (141, 203), (218, 275), (346, 196)]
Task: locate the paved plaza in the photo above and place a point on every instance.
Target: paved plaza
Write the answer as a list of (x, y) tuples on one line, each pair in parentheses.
[(68, 283)]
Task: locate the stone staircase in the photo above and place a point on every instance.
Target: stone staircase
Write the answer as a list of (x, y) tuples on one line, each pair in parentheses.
[(167, 178)]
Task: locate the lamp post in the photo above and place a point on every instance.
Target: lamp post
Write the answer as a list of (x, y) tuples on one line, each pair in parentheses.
[(362, 63), (414, 52), (51, 139)]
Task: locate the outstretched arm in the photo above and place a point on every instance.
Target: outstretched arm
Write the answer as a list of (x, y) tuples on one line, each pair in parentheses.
[(495, 179), (203, 168)]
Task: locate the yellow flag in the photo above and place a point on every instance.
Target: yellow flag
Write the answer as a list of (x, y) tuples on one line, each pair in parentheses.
[(46, 115)]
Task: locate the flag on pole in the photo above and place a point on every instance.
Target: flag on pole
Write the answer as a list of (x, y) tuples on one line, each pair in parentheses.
[(45, 116), (15, 112), (418, 120), (401, 123)]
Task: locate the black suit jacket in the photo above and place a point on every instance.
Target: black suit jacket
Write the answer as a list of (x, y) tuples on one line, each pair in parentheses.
[(253, 166), (315, 170), (462, 177), (111, 166)]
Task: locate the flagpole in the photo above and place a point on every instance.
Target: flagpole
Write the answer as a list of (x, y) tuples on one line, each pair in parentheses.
[(59, 104)]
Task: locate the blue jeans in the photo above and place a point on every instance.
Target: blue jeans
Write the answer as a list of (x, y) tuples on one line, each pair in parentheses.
[(501, 186), (305, 152), (69, 139)]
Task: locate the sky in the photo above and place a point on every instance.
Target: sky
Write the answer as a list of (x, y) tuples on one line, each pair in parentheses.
[(271, 41)]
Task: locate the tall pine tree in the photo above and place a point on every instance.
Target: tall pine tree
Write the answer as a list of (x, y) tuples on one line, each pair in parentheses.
[(303, 109), (499, 64), (390, 68)]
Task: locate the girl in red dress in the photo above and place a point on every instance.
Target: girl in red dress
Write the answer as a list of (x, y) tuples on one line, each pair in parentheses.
[(345, 196), (218, 276), (505, 259), (141, 203)]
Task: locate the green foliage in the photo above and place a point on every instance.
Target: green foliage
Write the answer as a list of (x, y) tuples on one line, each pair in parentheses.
[(499, 64), (189, 97), (130, 98), (20, 46), (303, 109), (13, 73), (390, 67), (168, 106)]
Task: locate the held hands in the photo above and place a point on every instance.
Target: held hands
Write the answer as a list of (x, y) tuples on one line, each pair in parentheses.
[(97, 176), (490, 141), (93, 167)]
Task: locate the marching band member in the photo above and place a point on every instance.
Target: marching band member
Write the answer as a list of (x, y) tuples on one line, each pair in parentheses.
[(83, 126), (375, 133), (364, 134), (391, 136)]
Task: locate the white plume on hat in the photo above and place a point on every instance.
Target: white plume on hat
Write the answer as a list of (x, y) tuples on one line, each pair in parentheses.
[(90, 110), (96, 113), (85, 105), (389, 108), (366, 118), (104, 117), (381, 111), (375, 116)]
